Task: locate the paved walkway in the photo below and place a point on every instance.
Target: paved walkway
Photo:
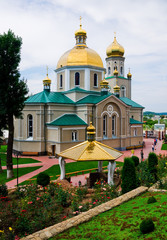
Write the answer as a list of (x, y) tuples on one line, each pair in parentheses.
[(46, 163)]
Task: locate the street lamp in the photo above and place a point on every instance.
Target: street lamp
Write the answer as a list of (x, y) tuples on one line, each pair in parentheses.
[(17, 154)]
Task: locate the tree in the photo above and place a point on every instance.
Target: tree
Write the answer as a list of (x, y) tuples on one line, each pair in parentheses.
[(128, 176), (13, 91)]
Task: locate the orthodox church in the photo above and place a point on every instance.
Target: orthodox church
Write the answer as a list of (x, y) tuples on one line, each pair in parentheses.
[(85, 92)]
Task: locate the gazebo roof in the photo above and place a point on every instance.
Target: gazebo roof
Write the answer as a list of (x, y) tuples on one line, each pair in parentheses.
[(91, 151)]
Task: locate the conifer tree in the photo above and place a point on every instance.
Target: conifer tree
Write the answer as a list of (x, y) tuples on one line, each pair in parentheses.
[(13, 91)]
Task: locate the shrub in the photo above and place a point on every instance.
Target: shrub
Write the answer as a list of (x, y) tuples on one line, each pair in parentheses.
[(147, 226), (152, 163), (151, 200), (144, 175), (128, 176), (3, 190), (43, 179), (135, 160), (63, 197)]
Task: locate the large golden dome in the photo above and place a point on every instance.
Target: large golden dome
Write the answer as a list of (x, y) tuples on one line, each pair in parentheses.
[(80, 55), (115, 49)]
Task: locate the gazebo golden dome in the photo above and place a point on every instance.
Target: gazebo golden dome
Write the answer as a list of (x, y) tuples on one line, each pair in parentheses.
[(115, 49), (129, 75)]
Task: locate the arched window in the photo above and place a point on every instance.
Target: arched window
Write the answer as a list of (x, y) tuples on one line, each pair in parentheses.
[(115, 67), (74, 135), (109, 70), (95, 80), (123, 91), (113, 125), (61, 81), (77, 79), (105, 126), (121, 70), (135, 132), (30, 125)]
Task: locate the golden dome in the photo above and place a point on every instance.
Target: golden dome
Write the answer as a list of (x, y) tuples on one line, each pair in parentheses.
[(115, 72), (129, 75), (91, 129), (80, 56), (115, 49), (116, 88), (104, 83)]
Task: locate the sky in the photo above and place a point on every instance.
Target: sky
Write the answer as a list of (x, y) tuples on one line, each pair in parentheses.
[(47, 30)]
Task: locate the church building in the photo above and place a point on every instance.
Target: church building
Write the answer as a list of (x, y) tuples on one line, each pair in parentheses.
[(85, 92)]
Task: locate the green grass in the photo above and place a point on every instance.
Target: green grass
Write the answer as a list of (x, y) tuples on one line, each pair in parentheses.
[(21, 172), (164, 146), (74, 166), (122, 223), (20, 160), (3, 148)]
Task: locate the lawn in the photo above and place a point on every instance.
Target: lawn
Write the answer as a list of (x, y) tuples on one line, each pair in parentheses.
[(21, 172), (3, 150), (122, 223), (164, 146), (72, 167)]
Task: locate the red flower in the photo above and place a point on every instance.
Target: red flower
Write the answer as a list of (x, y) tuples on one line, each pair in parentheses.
[(64, 217), (108, 197), (24, 210)]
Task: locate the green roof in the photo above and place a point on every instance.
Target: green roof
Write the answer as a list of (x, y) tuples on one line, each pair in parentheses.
[(67, 120), (130, 102), (117, 77), (133, 121), (93, 99), (78, 89), (49, 97)]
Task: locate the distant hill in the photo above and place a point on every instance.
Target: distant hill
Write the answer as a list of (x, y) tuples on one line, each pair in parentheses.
[(154, 113)]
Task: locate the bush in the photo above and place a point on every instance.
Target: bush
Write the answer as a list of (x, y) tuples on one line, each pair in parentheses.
[(128, 176), (144, 175), (147, 226), (3, 190), (152, 163), (151, 200), (135, 160), (43, 179)]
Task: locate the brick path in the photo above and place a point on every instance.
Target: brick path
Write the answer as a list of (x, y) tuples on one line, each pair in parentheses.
[(46, 163)]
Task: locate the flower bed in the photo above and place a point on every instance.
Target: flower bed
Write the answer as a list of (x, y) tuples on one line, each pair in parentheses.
[(31, 208)]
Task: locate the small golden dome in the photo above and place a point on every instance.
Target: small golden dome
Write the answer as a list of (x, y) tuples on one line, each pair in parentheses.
[(91, 129), (116, 88), (129, 75), (104, 83), (115, 49), (80, 31), (115, 72)]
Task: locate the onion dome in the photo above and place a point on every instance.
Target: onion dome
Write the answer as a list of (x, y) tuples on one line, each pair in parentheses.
[(129, 75), (115, 72), (115, 49), (80, 55), (91, 131), (116, 89), (47, 82)]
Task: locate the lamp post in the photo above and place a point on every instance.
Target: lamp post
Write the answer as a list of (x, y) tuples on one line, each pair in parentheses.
[(17, 154)]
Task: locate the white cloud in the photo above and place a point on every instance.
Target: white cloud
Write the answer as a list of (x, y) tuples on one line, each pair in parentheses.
[(47, 28)]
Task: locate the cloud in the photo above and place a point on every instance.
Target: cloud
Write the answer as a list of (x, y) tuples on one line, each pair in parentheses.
[(47, 28)]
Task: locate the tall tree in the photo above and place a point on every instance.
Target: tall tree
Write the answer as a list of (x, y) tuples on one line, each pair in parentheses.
[(13, 91)]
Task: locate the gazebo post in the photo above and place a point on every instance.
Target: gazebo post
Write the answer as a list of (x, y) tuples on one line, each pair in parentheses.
[(62, 168), (111, 169), (100, 165)]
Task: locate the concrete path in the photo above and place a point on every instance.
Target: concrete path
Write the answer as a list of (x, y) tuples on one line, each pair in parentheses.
[(46, 163)]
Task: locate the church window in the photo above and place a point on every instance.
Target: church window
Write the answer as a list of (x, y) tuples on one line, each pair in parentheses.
[(77, 79), (114, 125), (121, 70), (61, 81), (95, 80), (109, 70), (30, 125), (123, 91), (105, 126), (74, 135), (115, 67), (135, 132)]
